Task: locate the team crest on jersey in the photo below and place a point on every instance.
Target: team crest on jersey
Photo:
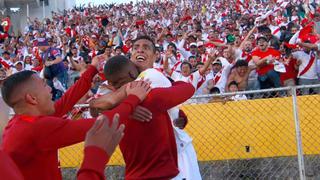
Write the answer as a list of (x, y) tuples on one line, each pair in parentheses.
[(142, 75)]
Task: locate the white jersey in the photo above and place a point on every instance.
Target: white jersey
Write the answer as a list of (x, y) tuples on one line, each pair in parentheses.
[(305, 70), (194, 78), (187, 158), (220, 78)]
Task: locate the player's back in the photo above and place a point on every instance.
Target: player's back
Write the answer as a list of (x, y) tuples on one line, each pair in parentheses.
[(149, 148)]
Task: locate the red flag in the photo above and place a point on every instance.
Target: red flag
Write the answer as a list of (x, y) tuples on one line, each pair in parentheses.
[(306, 33), (4, 64), (6, 23)]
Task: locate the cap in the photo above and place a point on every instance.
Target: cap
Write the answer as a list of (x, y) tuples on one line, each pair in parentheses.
[(18, 62), (262, 37), (193, 44), (42, 42), (200, 43), (217, 61)]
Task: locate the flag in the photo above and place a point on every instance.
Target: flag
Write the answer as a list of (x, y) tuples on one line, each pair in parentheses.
[(6, 23), (305, 34)]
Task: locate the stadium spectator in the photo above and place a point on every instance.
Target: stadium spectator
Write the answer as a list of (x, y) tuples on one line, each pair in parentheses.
[(187, 29), (264, 57), (240, 74), (30, 98), (233, 87), (306, 60)]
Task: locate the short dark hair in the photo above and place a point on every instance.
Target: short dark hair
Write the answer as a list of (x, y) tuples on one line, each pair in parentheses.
[(173, 45), (215, 90), (266, 30), (6, 52), (12, 83), (115, 65), (187, 63), (148, 38), (233, 83), (241, 63)]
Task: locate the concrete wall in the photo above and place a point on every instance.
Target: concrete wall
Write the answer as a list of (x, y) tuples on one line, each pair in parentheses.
[(19, 19)]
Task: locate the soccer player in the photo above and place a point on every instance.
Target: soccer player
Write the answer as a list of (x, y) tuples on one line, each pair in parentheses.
[(143, 56), (33, 136), (149, 149), (101, 141)]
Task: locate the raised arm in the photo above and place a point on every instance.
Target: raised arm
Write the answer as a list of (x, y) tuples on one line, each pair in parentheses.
[(79, 89), (247, 37), (212, 56), (310, 46), (75, 65), (166, 67), (54, 132), (75, 92)]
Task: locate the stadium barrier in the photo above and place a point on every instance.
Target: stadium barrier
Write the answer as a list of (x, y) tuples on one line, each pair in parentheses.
[(273, 134)]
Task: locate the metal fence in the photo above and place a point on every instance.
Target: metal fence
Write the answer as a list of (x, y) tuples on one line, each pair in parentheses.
[(274, 134)]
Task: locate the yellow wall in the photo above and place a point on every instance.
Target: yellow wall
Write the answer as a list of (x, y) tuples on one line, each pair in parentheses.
[(222, 131)]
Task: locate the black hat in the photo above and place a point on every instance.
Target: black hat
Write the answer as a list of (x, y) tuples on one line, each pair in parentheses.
[(262, 37)]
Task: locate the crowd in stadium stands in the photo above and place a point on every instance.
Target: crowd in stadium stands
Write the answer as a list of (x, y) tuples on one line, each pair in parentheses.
[(257, 44)]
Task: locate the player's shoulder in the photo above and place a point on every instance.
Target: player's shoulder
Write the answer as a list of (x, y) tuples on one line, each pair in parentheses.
[(156, 77), (151, 72)]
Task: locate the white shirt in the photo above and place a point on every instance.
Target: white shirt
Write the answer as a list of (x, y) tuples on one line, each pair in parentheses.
[(194, 78), (238, 54), (239, 97), (156, 78), (305, 58), (28, 67), (221, 83)]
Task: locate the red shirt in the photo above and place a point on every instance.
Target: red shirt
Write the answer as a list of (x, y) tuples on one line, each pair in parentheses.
[(264, 69), (8, 169), (93, 165), (149, 149), (291, 72), (32, 142), (94, 162)]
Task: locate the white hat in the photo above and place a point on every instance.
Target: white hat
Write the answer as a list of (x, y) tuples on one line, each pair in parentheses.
[(18, 63), (193, 44), (200, 43)]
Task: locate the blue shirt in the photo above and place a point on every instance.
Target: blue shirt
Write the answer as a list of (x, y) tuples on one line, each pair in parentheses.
[(51, 54)]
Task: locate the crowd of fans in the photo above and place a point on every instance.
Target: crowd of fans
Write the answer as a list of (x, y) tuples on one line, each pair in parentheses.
[(256, 44)]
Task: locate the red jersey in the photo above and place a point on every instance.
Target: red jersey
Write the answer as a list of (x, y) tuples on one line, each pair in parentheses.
[(8, 169), (33, 142), (270, 51), (149, 149), (92, 168), (291, 72)]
